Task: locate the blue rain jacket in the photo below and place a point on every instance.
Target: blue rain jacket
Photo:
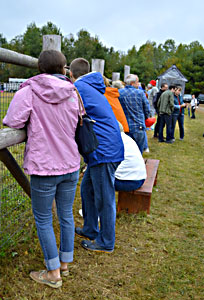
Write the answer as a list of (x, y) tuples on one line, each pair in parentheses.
[(110, 149)]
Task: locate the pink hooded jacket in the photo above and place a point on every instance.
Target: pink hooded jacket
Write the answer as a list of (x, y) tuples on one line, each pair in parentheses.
[(49, 108)]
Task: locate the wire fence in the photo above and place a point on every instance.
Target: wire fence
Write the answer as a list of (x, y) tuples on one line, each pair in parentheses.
[(15, 205)]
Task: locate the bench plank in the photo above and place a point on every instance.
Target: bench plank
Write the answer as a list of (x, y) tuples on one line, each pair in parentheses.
[(139, 200)]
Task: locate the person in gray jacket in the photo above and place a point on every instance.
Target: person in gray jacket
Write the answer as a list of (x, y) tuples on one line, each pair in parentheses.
[(165, 108)]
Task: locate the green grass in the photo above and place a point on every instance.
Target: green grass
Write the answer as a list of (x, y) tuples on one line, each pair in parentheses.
[(157, 256)]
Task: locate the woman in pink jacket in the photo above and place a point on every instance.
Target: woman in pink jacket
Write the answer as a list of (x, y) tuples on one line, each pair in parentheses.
[(47, 105)]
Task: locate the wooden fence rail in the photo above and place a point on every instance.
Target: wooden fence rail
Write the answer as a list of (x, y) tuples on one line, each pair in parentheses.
[(12, 57), (10, 137)]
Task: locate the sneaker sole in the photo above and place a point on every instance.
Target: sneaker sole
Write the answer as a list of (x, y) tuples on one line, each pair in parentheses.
[(102, 251)]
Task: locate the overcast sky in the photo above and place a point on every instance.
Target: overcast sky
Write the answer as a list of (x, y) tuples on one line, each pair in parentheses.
[(120, 24)]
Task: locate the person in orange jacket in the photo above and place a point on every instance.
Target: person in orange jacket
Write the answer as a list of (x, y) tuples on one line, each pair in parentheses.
[(112, 95)]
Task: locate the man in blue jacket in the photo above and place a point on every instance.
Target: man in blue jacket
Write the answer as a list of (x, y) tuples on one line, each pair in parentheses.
[(97, 187), (178, 113)]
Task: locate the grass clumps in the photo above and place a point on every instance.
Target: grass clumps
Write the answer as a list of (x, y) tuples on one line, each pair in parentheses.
[(157, 256)]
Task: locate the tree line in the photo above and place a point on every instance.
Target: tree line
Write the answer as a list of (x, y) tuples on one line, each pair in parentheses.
[(148, 62)]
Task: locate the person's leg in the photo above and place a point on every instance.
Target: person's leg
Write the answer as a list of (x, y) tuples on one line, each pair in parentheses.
[(90, 213), (146, 142), (161, 127), (173, 125), (65, 194), (189, 114), (192, 112), (156, 128), (128, 185), (181, 125), (103, 178), (139, 138), (43, 189), (168, 121)]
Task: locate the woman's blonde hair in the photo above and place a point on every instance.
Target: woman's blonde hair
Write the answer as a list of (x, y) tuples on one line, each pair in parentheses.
[(106, 81)]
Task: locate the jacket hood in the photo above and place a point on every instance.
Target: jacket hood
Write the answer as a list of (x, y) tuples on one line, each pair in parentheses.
[(95, 80), (49, 88), (112, 92)]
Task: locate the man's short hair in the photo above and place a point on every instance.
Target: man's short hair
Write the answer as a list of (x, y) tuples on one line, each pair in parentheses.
[(51, 62), (131, 78), (172, 86), (163, 84), (79, 66)]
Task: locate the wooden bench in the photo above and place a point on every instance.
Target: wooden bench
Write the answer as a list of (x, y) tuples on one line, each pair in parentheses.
[(139, 200)]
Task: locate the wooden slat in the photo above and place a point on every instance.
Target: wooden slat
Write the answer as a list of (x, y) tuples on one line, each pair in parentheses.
[(151, 167), (10, 137)]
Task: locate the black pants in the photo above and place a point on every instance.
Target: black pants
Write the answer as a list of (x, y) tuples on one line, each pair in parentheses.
[(157, 125), (193, 112), (165, 119)]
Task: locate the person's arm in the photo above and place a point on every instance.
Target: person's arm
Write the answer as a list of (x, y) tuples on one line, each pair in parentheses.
[(171, 101), (146, 106), (19, 109)]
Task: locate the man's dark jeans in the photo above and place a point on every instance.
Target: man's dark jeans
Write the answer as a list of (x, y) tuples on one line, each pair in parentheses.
[(165, 119), (98, 200)]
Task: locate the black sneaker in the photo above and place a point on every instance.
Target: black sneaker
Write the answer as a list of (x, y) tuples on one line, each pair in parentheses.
[(92, 246), (80, 233), (169, 142)]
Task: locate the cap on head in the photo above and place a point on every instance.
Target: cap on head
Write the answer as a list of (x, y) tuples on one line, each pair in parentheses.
[(153, 82)]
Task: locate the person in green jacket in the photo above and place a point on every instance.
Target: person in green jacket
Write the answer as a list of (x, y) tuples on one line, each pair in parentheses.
[(165, 108)]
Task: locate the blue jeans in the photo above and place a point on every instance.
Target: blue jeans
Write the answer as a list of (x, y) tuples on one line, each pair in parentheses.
[(181, 125), (128, 185), (173, 124), (165, 119), (98, 200), (139, 137), (43, 191), (180, 118), (146, 142)]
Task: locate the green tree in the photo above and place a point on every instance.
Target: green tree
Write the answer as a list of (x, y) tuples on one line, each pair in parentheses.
[(32, 41), (50, 28), (3, 41)]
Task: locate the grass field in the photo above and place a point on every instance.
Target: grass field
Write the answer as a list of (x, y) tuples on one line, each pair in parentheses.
[(157, 256)]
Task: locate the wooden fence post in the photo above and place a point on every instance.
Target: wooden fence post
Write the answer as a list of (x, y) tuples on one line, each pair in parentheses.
[(52, 42), (98, 65), (11, 164), (115, 76), (126, 71)]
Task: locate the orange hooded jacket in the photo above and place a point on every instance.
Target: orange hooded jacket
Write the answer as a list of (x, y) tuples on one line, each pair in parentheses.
[(112, 95)]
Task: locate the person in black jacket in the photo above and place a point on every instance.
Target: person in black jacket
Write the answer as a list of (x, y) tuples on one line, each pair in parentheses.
[(163, 88)]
